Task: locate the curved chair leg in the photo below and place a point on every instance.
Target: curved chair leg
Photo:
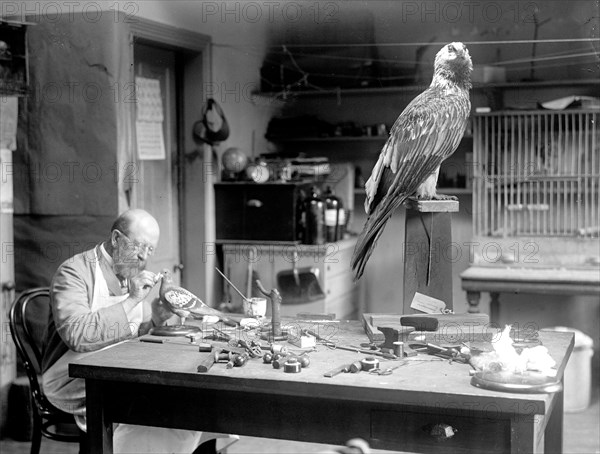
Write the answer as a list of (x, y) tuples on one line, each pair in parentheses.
[(83, 442), (36, 439)]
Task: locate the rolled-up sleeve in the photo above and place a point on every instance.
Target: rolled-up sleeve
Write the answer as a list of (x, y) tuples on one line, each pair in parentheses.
[(82, 329)]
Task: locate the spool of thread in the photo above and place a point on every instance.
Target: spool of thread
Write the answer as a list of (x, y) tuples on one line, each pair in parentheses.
[(399, 349), (369, 363), (222, 357), (292, 366)]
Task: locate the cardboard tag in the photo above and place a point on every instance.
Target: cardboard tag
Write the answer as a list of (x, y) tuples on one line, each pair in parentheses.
[(427, 304)]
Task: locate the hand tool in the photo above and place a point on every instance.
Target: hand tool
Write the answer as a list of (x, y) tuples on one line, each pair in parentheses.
[(355, 367), (338, 370), (208, 361), (458, 326), (388, 370), (234, 287), (420, 322), (201, 346), (319, 338), (331, 344), (365, 351), (452, 353), (252, 347)]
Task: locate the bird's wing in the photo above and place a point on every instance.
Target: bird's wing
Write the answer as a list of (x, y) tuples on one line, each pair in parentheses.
[(180, 298), (425, 133)]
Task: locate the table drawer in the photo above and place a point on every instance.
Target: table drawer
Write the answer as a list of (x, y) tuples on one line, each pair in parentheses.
[(412, 430)]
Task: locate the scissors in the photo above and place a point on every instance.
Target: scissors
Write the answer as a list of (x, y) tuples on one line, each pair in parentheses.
[(386, 371)]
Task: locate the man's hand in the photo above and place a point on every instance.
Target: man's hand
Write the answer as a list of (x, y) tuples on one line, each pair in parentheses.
[(160, 313), (140, 285)]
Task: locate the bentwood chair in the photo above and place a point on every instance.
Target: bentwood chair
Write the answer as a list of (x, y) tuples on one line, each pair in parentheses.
[(49, 421)]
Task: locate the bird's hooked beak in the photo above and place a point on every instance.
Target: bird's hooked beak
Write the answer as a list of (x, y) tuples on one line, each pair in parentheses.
[(455, 50), (454, 54)]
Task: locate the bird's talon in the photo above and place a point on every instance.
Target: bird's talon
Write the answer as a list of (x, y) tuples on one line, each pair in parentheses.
[(444, 197)]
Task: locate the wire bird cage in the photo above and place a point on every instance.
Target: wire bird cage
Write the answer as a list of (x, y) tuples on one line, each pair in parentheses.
[(536, 179)]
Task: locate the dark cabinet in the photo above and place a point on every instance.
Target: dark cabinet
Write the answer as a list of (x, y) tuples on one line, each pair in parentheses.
[(259, 212)]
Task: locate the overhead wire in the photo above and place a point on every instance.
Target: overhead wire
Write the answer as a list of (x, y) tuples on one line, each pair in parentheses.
[(468, 43), (548, 60)]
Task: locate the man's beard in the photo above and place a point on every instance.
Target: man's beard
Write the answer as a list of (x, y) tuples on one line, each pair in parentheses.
[(127, 265)]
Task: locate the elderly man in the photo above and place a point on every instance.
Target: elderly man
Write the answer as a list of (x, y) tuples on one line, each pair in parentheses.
[(99, 298)]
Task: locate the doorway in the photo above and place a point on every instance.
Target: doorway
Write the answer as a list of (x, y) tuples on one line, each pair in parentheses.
[(176, 189), (157, 184)]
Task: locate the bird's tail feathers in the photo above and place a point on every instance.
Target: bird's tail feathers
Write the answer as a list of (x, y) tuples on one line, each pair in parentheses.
[(364, 248), (371, 232)]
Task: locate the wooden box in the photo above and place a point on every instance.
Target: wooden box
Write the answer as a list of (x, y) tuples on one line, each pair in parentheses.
[(259, 212)]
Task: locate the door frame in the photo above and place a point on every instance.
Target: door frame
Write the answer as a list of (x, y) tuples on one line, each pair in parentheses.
[(194, 73)]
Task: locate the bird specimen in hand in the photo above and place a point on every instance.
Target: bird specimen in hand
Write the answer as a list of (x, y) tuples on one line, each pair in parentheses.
[(184, 303), (426, 132)]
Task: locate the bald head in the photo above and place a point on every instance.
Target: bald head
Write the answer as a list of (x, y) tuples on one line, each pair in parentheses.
[(134, 221)]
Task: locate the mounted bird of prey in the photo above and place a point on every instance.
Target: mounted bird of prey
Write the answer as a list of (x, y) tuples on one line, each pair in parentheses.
[(426, 132)]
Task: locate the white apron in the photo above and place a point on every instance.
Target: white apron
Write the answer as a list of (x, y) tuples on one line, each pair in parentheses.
[(68, 394)]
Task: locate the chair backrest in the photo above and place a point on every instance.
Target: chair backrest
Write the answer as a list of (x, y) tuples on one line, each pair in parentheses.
[(30, 306)]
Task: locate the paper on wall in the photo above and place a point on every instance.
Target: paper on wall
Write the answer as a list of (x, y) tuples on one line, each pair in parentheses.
[(150, 117), (150, 140), (148, 99)]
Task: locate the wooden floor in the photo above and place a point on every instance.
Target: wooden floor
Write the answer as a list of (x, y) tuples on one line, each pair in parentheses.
[(581, 436)]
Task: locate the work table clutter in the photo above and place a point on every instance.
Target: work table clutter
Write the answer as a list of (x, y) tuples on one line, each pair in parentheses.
[(389, 411), (181, 355)]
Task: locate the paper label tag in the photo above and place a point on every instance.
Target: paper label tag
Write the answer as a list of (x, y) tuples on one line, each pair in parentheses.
[(427, 304)]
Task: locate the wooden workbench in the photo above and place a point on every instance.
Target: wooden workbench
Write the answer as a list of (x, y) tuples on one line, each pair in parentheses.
[(157, 384)]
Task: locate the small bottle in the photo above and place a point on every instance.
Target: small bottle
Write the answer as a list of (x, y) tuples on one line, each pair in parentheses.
[(315, 218), (333, 215), (301, 205)]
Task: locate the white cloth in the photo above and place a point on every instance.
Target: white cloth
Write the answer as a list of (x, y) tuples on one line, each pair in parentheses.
[(68, 393)]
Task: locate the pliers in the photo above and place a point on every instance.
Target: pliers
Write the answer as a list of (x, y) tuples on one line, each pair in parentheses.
[(451, 353)]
